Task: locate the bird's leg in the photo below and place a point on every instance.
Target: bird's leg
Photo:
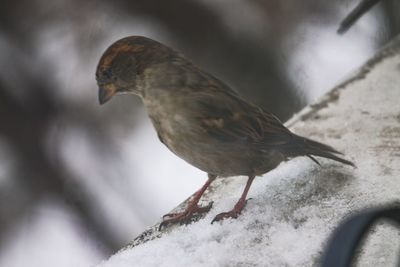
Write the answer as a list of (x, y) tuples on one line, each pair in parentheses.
[(234, 213), (192, 207)]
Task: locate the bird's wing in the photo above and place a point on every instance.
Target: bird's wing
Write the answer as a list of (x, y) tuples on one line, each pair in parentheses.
[(228, 118)]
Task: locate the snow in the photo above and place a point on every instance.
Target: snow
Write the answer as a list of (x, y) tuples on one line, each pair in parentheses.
[(295, 207), (281, 217)]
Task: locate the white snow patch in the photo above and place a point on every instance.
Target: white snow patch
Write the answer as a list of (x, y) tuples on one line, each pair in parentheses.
[(278, 231)]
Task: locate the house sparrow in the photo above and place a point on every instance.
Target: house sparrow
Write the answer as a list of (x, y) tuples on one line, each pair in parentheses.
[(200, 118)]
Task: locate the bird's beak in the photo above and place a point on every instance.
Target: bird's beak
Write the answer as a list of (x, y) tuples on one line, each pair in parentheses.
[(106, 92)]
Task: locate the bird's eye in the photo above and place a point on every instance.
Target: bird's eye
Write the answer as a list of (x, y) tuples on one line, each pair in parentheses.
[(106, 74)]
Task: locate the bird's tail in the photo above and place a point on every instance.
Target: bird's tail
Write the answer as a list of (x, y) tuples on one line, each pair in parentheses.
[(302, 146)]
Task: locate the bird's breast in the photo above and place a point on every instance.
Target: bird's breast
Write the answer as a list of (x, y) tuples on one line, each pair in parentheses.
[(181, 131)]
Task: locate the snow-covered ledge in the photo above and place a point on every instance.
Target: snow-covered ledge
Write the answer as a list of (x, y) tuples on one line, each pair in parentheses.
[(295, 207)]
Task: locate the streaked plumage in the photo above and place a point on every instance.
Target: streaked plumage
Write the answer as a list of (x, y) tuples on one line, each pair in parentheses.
[(200, 118)]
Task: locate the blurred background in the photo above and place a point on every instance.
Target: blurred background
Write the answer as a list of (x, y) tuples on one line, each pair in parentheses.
[(77, 180)]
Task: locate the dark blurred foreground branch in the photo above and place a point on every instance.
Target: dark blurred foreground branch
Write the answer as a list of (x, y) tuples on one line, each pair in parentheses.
[(342, 247)]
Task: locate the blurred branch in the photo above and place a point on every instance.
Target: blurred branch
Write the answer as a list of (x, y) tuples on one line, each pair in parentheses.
[(363, 7), (346, 239), (392, 19)]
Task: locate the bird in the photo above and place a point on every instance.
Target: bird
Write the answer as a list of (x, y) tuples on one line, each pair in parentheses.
[(201, 119)]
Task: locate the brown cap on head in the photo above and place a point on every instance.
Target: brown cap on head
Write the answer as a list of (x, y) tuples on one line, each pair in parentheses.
[(124, 60), (146, 51)]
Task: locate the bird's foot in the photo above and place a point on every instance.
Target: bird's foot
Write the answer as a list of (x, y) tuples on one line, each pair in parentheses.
[(185, 216), (234, 213)]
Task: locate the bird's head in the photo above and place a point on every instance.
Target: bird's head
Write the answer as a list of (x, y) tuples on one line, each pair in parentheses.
[(121, 65)]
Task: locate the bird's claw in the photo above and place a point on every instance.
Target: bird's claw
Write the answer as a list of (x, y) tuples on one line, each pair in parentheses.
[(185, 216), (225, 215), (234, 213)]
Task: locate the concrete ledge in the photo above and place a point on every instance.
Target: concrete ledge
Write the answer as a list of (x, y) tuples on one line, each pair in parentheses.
[(295, 207)]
